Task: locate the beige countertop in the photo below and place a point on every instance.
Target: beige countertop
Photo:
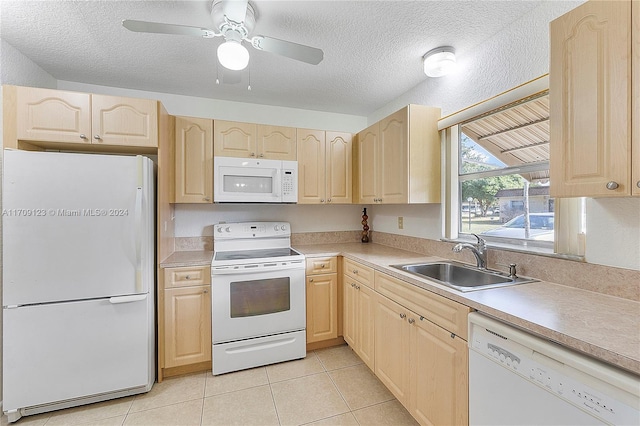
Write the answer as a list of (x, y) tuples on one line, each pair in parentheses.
[(602, 326)]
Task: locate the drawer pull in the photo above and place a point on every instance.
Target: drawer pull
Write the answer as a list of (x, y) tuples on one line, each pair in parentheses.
[(355, 271), (322, 265), (188, 277), (357, 287), (403, 316), (411, 320)]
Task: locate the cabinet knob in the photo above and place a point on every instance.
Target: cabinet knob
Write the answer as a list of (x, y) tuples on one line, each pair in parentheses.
[(83, 136), (322, 265), (329, 200), (97, 137), (207, 199), (261, 155), (411, 320), (253, 154), (355, 271), (403, 316), (357, 287), (612, 185), (310, 280), (322, 200), (379, 200), (206, 291), (638, 184), (188, 277), (353, 285)]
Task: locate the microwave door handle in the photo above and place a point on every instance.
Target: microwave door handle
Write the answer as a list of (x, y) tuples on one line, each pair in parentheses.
[(277, 184)]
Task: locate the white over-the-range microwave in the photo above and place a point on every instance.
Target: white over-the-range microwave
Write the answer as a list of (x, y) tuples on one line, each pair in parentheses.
[(247, 180)]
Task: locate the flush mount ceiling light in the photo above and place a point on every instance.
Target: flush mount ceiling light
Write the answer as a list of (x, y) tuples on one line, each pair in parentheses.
[(439, 61)]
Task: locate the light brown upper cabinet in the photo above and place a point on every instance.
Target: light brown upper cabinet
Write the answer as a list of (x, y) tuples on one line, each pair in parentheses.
[(593, 85), (194, 160), (55, 116), (236, 139), (398, 158), (324, 167)]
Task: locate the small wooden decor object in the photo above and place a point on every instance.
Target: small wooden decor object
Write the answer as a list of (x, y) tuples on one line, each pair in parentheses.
[(365, 227)]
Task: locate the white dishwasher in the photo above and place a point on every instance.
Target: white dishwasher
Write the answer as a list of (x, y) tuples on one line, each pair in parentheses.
[(516, 378)]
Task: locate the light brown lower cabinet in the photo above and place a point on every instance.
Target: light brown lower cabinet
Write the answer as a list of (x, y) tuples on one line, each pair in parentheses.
[(184, 321), (322, 307), (422, 364), (358, 327)]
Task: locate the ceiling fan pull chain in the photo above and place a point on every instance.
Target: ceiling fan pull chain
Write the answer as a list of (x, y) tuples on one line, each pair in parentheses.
[(249, 71)]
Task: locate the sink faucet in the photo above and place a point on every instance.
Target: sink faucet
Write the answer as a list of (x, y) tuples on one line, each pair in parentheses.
[(479, 250)]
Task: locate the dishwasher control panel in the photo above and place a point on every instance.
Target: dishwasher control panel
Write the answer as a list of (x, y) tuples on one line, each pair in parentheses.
[(593, 386)]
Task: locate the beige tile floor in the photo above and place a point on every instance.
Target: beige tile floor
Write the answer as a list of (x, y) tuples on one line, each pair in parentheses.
[(329, 387)]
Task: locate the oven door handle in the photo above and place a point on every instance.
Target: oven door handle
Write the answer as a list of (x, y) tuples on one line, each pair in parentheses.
[(229, 270)]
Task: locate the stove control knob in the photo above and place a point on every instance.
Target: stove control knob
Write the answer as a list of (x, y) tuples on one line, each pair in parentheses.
[(275, 228), (283, 227), (228, 229), (220, 229)]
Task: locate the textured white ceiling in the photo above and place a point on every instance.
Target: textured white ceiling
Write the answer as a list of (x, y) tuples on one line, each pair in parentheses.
[(372, 49)]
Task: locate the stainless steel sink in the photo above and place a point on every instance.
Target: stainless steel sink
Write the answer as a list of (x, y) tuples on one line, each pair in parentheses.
[(461, 276)]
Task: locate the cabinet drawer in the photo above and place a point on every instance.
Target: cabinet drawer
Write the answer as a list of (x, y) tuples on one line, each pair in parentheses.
[(358, 272), (450, 315), (322, 265), (187, 276)]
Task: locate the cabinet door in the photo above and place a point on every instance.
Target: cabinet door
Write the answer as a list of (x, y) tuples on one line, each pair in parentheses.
[(194, 160), (392, 347), (124, 121), (234, 139), (393, 156), (311, 166), (187, 325), (339, 167), (276, 142), (350, 312), (368, 167), (589, 79), (365, 329), (439, 375), (635, 98), (53, 115), (322, 307)]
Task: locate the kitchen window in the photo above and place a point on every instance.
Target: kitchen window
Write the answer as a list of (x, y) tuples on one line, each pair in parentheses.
[(498, 178)]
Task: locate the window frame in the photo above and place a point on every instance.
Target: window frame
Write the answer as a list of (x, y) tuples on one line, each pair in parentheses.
[(568, 213)]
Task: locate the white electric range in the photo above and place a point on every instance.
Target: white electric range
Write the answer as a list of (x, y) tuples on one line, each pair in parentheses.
[(258, 296)]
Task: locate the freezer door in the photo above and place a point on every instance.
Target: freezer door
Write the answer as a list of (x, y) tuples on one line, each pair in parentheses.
[(68, 350), (76, 226)]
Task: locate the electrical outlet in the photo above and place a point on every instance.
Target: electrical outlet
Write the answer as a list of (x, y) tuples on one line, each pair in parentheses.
[(400, 222)]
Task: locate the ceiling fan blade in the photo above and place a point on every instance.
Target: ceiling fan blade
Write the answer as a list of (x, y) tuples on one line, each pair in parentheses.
[(160, 28), (235, 10), (299, 52)]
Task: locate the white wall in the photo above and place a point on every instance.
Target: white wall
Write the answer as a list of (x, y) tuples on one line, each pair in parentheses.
[(198, 220), (18, 70), (613, 232), (235, 111)]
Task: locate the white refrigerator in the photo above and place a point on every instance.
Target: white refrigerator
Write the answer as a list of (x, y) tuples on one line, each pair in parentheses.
[(78, 274)]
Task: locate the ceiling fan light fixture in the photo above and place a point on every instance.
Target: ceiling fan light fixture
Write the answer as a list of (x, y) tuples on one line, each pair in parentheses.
[(439, 61), (233, 55)]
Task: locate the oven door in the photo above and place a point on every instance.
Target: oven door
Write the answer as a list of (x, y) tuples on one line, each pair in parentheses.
[(258, 301)]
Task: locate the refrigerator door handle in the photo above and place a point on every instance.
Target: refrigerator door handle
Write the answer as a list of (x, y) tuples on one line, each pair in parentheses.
[(138, 224), (127, 299)]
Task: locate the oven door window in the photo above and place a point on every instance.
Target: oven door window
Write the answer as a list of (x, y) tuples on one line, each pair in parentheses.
[(260, 297)]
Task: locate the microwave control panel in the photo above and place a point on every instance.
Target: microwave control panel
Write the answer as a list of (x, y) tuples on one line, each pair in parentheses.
[(289, 181)]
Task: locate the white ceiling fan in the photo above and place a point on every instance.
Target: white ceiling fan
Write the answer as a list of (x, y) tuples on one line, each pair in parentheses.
[(234, 20)]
